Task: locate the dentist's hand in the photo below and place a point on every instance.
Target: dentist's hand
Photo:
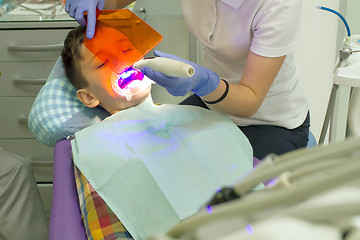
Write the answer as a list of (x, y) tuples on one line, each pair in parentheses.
[(201, 83), (77, 8)]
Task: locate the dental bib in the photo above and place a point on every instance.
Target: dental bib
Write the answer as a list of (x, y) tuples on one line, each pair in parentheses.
[(155, 165)]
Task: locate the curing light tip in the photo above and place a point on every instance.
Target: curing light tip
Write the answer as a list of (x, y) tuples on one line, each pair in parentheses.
[(129, 83)]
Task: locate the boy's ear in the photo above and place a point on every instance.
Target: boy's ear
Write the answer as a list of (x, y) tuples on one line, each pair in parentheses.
[(87, 98)]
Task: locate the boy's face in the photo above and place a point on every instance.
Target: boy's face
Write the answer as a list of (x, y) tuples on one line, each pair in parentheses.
[(111, 46), (98, 76)]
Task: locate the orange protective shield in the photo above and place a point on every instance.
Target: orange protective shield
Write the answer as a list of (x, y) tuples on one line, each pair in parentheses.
[(121, 39)]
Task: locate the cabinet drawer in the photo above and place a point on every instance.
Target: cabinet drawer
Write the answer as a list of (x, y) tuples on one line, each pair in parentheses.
[(14, 115), (31, 45), (39, 156), (23, 78)]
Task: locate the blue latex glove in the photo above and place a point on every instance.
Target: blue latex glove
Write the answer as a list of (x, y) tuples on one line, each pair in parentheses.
[(203, 82), (77, 8)]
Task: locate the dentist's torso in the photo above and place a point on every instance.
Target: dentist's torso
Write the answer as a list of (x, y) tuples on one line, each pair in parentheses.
[(229, 29)]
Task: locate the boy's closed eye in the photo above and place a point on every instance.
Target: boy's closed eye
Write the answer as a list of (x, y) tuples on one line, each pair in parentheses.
[(102, 64)]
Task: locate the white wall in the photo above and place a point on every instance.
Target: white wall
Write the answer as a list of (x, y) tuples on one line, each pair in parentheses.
[(316, 56), (352, 16)]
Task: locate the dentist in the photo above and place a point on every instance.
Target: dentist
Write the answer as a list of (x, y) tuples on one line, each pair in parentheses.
[(249, 71)]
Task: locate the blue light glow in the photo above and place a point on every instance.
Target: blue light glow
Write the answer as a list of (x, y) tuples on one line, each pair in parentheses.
[(249, 229), (272, 182), (128, 76), (234, 166), (209, 209), (125, 74)]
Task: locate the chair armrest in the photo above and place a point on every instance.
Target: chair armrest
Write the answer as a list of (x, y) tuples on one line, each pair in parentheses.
[(65, 218)]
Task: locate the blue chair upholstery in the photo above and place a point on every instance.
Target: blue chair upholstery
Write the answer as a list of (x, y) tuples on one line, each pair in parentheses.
[(312, 141)]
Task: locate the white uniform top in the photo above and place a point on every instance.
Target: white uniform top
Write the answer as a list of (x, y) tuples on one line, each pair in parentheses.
[(229, 29)]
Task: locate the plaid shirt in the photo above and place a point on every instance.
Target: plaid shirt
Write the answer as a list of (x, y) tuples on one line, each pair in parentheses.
[(99, 221)]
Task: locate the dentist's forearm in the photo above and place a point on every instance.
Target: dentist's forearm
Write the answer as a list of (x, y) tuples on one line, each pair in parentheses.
[(240, 101), (245, 99)]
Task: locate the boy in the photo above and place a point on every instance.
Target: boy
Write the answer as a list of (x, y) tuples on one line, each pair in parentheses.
[(153, 165)]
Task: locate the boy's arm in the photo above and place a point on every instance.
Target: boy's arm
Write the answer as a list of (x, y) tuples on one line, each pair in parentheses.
[(117, 4)]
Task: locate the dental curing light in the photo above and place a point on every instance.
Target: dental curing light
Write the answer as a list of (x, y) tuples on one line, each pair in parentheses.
[(169, 67), (130, 83)]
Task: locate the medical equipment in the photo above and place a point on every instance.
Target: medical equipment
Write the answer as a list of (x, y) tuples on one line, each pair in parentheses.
[(132, 81), (168, 66), (344, 90), (317, 172), (340, 16), (65, 222), (198, 79)]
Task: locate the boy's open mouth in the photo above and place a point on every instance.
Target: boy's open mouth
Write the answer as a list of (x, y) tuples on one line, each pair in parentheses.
[(129, 83), (128, 76)]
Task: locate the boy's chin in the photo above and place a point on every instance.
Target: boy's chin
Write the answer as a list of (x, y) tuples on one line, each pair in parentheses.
[(140, 96), (125, 102)]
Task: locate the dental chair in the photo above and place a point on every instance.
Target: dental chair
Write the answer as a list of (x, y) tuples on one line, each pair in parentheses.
[(65, 219), (51, 123)]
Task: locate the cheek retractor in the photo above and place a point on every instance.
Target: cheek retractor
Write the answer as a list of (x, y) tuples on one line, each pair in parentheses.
[(129, 83)]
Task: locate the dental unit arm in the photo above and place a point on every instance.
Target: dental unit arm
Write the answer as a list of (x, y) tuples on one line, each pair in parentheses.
[(261, 204), (169, 67)]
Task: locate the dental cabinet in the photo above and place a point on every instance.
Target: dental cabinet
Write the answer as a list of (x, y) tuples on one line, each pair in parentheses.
[(31, 42)]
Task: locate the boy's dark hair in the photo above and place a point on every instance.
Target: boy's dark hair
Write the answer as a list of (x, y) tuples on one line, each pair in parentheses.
[(70, 55)]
